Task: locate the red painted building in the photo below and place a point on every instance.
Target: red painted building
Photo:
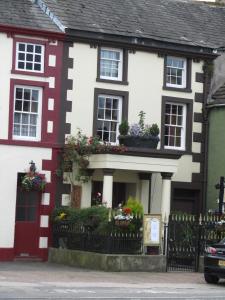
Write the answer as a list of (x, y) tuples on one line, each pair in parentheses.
[(32, 126)]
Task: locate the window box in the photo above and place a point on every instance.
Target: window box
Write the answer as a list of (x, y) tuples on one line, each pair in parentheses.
[(139, 141)]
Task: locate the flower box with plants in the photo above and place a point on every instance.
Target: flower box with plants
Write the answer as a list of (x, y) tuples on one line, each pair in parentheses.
[(76, 153), (139, 134)]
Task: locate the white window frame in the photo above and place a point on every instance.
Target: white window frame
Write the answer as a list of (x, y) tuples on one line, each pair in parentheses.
[(120, 98), (120, 64), (17, 57), (39, 114), (183, 127), (184, 72)]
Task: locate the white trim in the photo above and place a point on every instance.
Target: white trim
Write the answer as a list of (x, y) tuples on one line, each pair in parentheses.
[(39, 114), (42, 54), (120, 64), (184, 73)]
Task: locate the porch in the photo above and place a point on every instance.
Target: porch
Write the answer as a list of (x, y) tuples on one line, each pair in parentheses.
[(145, 175)]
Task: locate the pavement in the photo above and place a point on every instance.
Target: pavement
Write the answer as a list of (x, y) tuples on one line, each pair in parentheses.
[(35, 280)]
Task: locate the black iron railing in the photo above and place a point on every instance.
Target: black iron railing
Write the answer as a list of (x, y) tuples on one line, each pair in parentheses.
[(78, 237), (187, 238)]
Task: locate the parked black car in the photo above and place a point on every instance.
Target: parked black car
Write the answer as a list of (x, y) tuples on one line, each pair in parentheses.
[(214, 262)]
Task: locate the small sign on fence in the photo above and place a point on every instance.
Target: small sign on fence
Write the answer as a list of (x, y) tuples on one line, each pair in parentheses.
[(152, 230)]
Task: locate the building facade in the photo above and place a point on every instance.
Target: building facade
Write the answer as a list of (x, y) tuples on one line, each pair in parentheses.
[(31, 50)]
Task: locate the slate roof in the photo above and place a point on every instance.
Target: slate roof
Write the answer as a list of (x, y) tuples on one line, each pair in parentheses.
[(177, 21), (23, 13)]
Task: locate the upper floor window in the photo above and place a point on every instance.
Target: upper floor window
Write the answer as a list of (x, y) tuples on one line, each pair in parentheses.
[(111, 64), (176, 72), (29, 57), (175, 126), (109, 113), (27, 113)]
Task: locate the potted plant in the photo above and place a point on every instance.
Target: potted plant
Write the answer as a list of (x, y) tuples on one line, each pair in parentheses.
[(139, 134)]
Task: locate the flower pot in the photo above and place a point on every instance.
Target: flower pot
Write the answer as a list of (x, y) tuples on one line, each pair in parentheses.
[(139, 141)]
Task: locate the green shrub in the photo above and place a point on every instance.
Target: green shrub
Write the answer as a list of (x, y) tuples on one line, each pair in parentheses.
[(124, 128), (135, 205)]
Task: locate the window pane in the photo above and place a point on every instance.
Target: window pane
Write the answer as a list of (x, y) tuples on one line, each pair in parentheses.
[(115, 115), (30, 48), (38, 49), (21, 56), (100, 125), (113, 137), (20, 65), (17, 118), (115, 103), (35, 94), (37, 67), (26, 106), (25, 118), (101, 114), (108, 114), (29, 57), (34, 107), (24, 130), (29, 66), (32, 131), (37, 58), (33, 119), (18, 105), (19, 93), (113, 126), (16, 129), (108, 103), (101, 102), (21, 47)]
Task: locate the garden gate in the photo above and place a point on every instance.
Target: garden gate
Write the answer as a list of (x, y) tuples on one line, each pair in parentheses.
[(187, 236)]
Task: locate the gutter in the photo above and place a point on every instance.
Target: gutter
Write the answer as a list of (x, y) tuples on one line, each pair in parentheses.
[(140, 43), (34, 32)]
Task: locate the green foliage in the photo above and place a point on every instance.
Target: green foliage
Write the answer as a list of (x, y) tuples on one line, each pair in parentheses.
[(154, 130), (135, 205), (124, 128), (93, 218), (142, 120)]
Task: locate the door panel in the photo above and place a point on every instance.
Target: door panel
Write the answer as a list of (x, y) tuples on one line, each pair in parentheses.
[(27, 223)]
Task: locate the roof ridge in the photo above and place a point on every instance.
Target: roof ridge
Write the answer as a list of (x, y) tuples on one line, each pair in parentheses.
[(43, 6)]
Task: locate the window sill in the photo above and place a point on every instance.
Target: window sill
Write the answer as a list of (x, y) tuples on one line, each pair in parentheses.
[(176, 151), (184, 90), (112, 81), (30, 73)]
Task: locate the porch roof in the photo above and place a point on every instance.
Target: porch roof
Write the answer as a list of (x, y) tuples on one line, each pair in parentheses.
[(154, 161)]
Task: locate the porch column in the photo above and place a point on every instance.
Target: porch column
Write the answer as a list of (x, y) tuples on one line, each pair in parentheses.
[(86, 190), (107, 186), (166, 195), (145, 180)]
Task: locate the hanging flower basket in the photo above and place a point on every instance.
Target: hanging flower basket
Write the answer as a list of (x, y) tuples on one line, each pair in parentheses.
[(122, 223), (33, 182)]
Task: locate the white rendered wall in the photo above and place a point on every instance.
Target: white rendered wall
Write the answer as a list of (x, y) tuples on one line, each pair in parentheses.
[(145, 77), (5, 72), (14, 159)]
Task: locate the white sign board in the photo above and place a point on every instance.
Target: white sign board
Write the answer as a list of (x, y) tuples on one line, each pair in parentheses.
[(152, 230)]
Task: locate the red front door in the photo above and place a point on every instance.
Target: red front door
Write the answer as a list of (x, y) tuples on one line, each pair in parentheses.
[(27, 224)]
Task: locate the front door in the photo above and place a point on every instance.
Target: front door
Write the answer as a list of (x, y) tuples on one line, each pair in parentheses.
[(27, 223)]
